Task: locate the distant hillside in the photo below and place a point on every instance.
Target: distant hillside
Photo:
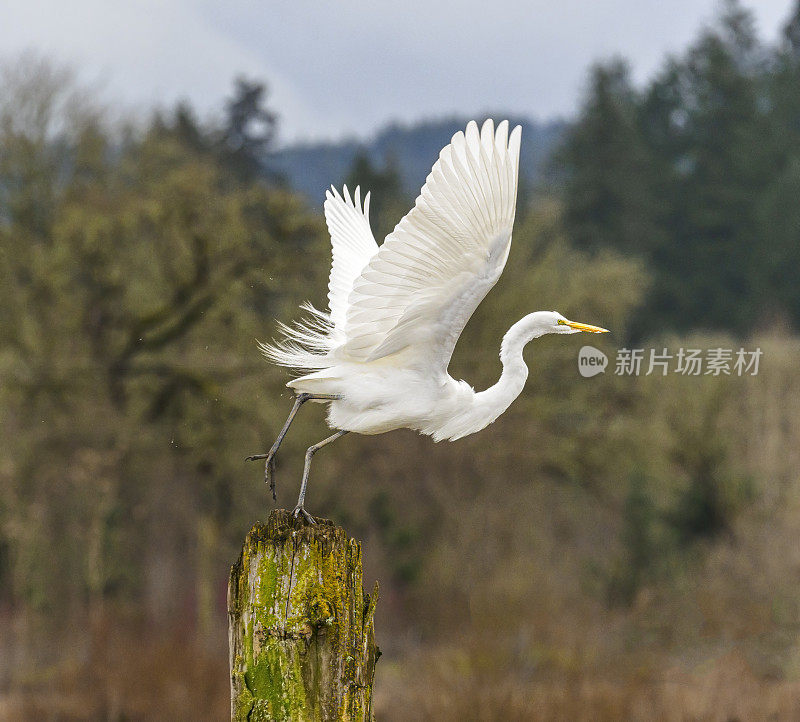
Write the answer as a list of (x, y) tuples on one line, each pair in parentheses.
[(311, 168)]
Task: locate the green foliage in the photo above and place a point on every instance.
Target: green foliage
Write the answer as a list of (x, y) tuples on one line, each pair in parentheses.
[(248, 130), (713, 492), (637, 540), (388, 202), (137, 269), (404, 544), (611, 198), (692, 172), (133, 287)]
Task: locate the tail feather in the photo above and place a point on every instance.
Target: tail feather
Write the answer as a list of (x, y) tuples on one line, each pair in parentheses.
[(306, 345)]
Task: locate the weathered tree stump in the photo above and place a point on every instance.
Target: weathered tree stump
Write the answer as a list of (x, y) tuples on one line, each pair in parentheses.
[(302, 640)]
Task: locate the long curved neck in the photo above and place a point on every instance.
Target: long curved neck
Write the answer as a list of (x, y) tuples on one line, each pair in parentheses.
[(496, 399), (485, 406)]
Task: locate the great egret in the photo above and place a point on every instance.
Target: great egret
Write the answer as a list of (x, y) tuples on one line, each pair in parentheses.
[(379, 358)]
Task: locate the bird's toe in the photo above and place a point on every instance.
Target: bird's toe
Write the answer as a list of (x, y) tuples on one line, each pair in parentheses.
[(299, 511)]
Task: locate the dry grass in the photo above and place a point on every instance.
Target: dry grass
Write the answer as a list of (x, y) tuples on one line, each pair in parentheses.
[(439, 687), (507, 617), (128, 671)]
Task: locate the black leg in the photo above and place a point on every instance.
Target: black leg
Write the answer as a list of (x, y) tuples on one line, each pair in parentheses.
[(269, 467), (300, 509)]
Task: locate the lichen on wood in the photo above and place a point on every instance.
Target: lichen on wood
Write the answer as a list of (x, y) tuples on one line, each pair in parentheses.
[(301, 632)]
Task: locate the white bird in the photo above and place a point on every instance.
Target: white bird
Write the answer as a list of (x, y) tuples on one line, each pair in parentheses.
[(379, 358)]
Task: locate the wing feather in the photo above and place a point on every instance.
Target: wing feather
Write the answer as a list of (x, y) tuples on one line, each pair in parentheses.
[(352, 246), (421, 287)]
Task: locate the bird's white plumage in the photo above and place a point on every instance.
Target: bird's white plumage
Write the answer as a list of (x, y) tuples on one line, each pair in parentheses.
[(352, 245), (421, 287), (380, 356), (396, 311)]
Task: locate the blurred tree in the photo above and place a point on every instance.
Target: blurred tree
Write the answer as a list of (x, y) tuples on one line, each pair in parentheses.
[(388, 202), (705, 506), (631, 569), (712, 262), (676, 173), (777, 211), (132, 283), (249, 129), (791, 34), (138, 267), (610, 197)]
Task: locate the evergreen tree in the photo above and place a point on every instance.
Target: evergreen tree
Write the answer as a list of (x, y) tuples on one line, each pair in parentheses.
[(609, 198), (791, 34), (677, 174), (248, 130), (133, 283), (388, 202)]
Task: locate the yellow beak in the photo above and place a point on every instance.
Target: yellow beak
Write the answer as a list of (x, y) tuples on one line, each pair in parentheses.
[(585, 327)]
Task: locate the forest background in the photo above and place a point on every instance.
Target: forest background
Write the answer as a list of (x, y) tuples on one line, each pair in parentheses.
[(619, 547)]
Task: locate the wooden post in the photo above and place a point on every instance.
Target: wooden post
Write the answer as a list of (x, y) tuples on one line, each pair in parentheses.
[(302, 640)]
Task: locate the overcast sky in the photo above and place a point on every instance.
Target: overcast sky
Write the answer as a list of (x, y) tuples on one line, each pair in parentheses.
[(339, 67)]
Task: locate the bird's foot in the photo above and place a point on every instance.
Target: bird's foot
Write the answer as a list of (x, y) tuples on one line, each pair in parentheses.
[(269, 469), (299, 511)]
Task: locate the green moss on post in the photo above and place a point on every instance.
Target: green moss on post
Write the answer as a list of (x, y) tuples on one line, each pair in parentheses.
[(302, 640)]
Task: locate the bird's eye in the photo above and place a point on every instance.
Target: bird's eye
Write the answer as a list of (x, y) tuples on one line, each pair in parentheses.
[(561, 322)]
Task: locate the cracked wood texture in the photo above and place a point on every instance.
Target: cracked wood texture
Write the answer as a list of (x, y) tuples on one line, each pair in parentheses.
[(301, 633)]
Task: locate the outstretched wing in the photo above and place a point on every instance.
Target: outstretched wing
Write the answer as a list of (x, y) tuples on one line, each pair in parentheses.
[(420, 289), (352, 244)]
